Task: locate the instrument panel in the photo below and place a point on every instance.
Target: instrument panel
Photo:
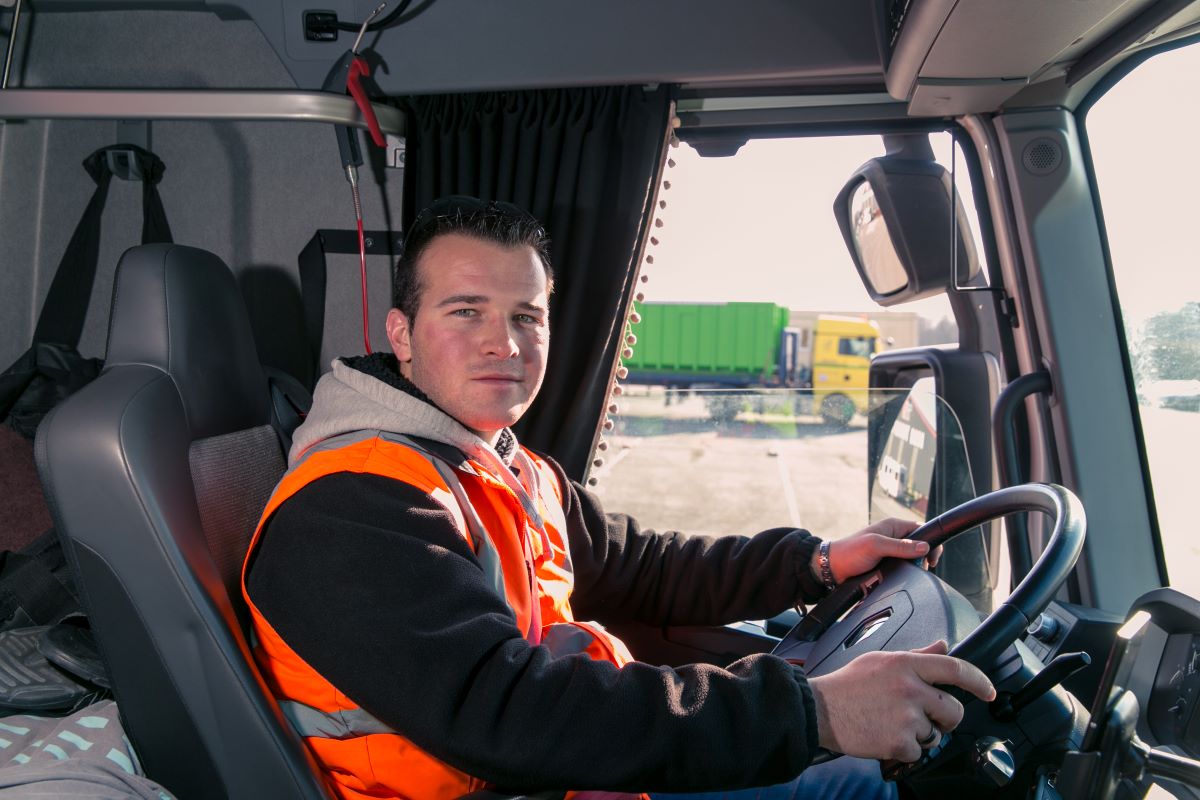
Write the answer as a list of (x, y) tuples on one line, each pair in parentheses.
[(1162, 669), (1171, 711)]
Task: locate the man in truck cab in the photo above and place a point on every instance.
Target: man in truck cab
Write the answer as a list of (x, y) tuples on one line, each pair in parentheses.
[(419, 581)]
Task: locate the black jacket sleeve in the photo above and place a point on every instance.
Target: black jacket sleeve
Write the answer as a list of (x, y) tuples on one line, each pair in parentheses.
[(624, 573), (369, 582)]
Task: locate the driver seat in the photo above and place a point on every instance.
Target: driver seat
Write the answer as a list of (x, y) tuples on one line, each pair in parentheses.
[(156, 474)]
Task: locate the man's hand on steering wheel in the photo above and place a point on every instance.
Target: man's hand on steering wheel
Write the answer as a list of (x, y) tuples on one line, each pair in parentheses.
[(860, 552), (885, 705)]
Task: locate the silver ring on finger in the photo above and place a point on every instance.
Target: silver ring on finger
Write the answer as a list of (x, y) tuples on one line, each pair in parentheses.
[(931, 739)]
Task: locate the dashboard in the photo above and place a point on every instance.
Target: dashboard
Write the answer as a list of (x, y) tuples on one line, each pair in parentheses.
[(1173, 698), (1143, 723), (1165, 673)]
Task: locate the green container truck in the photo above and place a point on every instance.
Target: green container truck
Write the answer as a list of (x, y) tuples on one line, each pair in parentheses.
[(751, 345), (732, 344)]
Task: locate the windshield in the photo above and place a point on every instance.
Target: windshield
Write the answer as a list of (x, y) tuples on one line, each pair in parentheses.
[(743, 383), (861, 346)]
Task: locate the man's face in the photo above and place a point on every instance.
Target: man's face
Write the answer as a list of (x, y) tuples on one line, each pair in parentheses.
[(478, 345)]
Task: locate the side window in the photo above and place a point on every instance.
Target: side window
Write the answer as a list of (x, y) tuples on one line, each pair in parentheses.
[(1142, 135), (744, 402)]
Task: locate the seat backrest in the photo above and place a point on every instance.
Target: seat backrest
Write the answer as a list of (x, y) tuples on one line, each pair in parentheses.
[(156, 474)]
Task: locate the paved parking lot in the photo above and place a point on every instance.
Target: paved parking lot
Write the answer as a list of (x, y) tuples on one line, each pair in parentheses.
[(673, 468)]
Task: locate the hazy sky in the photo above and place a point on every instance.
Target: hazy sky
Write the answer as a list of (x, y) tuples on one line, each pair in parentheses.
[(766, 214), (1148, 171)]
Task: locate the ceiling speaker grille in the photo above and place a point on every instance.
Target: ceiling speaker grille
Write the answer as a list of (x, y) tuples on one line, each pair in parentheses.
[(1042, 156)]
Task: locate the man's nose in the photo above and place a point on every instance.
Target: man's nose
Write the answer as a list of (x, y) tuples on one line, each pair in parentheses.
[(499, 340)]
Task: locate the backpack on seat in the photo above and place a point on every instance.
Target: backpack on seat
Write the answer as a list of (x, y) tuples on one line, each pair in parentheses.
[(52, 368)]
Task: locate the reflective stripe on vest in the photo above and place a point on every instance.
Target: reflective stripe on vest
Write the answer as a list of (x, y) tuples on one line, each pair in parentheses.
[(523, 490), (345, 724), (561, 639), (485, 551)]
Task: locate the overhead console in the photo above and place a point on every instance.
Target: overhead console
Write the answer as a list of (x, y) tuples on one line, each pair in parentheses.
[(941, 57), (958, 56), (450, 46)]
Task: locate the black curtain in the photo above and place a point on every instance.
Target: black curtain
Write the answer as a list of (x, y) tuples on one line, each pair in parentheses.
[(585, 162)]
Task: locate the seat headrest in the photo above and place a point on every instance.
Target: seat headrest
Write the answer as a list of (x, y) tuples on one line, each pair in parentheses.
[(179, 309)]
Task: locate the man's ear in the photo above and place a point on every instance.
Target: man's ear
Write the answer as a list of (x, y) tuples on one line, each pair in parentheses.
[(399, 335)]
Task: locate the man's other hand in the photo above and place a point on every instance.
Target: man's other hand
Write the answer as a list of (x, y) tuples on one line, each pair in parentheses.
[(886, 705), (860, 552)]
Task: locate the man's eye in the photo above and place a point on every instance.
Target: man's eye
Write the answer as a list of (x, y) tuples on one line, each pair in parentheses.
[(527, 319), (463, 312)]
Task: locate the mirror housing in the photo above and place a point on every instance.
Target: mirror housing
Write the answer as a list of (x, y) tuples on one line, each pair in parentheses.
[(966, 382), (897, 216)]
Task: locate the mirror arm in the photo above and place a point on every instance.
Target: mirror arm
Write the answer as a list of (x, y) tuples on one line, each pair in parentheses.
[(908, 145)]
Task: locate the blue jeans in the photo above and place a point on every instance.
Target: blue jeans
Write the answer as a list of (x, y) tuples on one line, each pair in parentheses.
[(844, 779)]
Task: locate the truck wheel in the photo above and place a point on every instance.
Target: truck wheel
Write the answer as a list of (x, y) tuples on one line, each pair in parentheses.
[(837, 410)]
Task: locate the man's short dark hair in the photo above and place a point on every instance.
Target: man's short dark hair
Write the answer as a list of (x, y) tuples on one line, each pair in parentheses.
[(502, 223)]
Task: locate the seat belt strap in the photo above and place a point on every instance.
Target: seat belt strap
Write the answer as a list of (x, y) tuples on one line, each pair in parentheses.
[(63, 312), (313, 280)]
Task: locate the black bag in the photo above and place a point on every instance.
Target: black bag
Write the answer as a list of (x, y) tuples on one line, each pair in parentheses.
[(52, 368), (36, 587), (44, 375)]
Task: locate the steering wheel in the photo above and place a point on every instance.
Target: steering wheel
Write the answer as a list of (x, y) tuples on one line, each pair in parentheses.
[(901, 606)]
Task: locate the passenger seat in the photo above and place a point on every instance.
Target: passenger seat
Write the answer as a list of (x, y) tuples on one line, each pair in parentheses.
[(156, 474)]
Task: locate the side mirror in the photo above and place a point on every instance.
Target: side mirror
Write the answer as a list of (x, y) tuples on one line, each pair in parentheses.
[(908, 236)]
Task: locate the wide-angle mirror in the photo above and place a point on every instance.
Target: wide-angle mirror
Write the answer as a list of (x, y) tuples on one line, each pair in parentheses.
[(916, 455)]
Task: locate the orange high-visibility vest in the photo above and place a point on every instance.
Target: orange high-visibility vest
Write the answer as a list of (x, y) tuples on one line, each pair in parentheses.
[(524, 551)]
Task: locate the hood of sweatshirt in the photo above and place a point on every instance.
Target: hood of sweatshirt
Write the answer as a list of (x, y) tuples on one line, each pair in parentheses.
[(366, 393)]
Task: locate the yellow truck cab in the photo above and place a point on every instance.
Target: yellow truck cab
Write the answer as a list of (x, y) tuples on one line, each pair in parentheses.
[(841, 361), (201, 202)]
